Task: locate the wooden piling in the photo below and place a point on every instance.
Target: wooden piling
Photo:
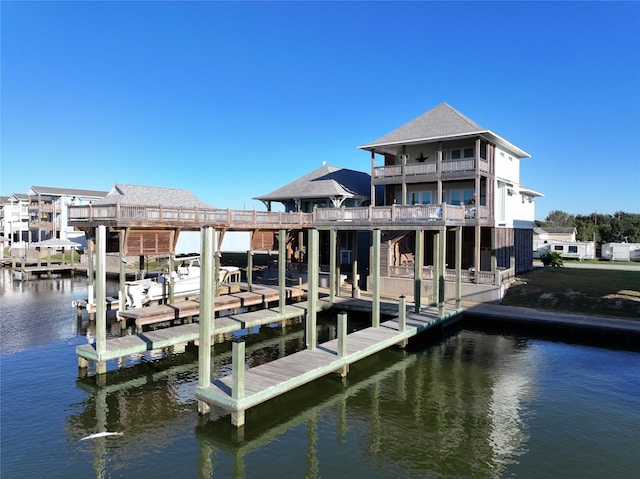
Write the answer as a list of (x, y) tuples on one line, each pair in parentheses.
[(312, 280), (206, 325), (417, 273), (101, 297), (282, 279), (375, 274)]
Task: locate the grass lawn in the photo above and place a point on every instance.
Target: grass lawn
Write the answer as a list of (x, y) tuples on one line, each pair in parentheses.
[(583, 291)]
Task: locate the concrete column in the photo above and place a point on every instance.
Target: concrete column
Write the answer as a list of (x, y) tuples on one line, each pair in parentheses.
[(458, 268), (101, 297), (442, 267), (282, 263), (206, 323), (375, 275), (312, 295), (333, 244), (418, 267)]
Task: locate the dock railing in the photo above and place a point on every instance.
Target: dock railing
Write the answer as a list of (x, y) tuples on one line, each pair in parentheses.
[(131, 215)]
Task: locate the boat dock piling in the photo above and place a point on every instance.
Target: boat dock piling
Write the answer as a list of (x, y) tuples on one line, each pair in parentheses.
[(244, 389)]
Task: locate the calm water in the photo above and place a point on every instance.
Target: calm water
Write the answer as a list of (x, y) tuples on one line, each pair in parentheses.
[(473, 405)]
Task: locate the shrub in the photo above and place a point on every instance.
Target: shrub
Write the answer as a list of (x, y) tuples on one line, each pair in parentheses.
[(551, 258)]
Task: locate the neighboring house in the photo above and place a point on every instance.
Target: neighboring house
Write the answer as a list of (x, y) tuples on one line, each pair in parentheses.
[(14, 217), (47, 211), (444, 158)]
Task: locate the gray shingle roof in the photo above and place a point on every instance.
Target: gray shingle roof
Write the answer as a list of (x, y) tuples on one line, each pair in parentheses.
[(325, 182), (439, 123), (151, 195), (48, 190)]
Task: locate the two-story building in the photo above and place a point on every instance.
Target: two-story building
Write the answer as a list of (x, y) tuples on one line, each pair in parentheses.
[(443, 158)]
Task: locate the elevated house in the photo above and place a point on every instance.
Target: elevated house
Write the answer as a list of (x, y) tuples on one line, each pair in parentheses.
[(48, 211), (456, 172)]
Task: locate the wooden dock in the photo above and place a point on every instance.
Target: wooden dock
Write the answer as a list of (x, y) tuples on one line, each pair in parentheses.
[(117, 348), (232, 297), (23, 273), (244, 389)]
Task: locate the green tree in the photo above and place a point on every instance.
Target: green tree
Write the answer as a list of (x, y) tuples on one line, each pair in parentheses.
[(558, 218)]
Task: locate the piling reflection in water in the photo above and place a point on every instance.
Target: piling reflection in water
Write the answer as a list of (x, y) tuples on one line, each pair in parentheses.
[(474, 404), (439, 409)]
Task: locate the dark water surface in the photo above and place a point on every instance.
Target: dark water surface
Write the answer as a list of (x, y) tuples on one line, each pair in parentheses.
[(472, 405)]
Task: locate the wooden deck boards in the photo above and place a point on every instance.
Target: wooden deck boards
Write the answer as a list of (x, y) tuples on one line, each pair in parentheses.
[(185, 309), (267, 381), (162, 338)]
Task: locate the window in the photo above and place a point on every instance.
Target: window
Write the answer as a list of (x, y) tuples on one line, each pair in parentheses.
[(459, 153), (420, 198), (558, 247), (460, 197), (573, 249)]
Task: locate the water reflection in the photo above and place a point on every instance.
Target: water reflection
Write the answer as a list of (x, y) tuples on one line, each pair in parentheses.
[(37, 312), (450, 409)]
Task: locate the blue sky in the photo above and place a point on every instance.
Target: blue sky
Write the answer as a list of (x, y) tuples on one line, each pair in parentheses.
[(233, 100)]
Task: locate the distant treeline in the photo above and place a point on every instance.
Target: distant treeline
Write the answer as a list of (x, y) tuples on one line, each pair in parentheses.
[(619, 227)]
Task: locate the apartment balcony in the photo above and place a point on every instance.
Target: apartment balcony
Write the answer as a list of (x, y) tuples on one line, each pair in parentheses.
[(429, 171), (43, 207)]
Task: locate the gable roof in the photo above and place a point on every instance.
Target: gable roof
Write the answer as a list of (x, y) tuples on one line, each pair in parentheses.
[(440, 123), (48, 190), (134, 195), (325, 182)]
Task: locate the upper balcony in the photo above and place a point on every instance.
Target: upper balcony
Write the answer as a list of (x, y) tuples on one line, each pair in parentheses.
[(429, 171), (401, 217), (386, 217)]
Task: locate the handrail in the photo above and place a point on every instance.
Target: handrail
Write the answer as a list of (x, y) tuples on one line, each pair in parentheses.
[(120, 213), (158, 214)]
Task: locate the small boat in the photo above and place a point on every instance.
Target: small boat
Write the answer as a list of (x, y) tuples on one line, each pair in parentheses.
[(186, 282)]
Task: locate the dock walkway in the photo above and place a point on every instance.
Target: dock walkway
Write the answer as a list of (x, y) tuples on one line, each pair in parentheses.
[(117, 348), (258, 296), (266, 381)]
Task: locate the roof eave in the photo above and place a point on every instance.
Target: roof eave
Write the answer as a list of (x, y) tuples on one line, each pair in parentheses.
[(520, 153)]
